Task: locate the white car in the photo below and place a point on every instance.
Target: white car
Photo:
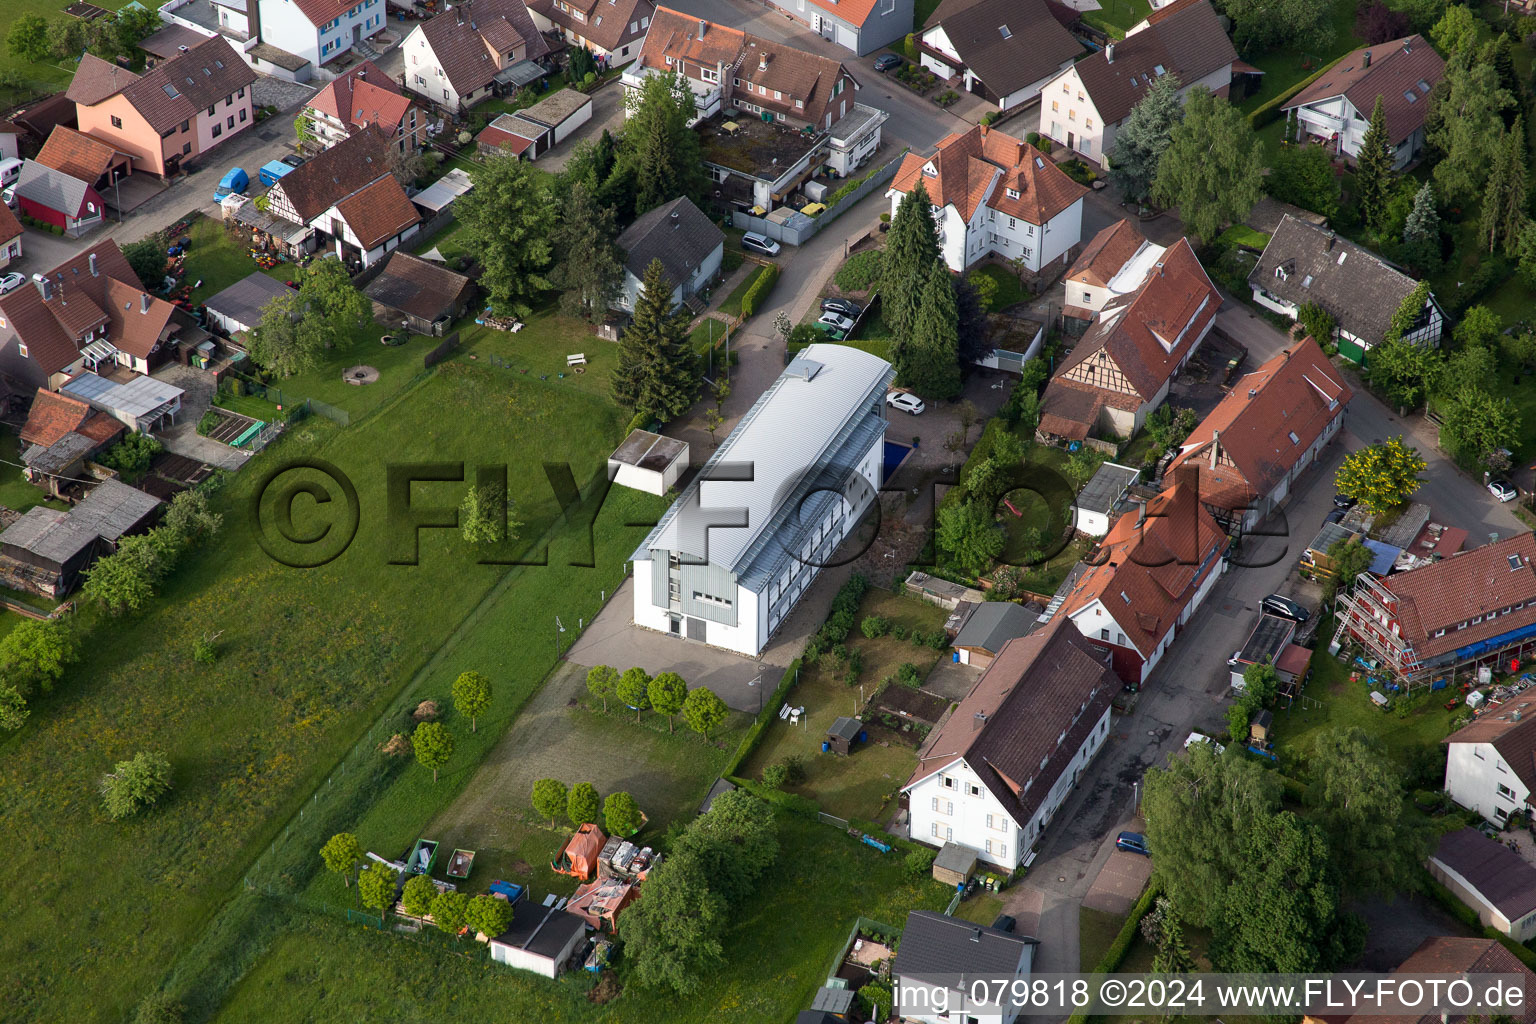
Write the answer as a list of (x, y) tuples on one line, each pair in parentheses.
[(905, 402), (834, 322), (1503, 490), (760, 243), (10, 282), (9, 196)]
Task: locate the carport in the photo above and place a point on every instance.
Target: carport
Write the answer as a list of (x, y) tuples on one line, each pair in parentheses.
[(132, 192)]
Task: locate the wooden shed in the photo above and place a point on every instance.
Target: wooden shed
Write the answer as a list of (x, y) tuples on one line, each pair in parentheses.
[(954, 864), (1260, 726), (843, 734)]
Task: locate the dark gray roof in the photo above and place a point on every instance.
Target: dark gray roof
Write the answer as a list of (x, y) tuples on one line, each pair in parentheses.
[(721, 785), (1035, 46), (49, 534), (648, 451), (954, 857), (1267, 640), (1500, 876), (938, 948), (244, 300), (60, 455), (542, 931), (992, 624), (1307, 263), (50, 188), (681, 244), (846, 728), (1107, 487), (418, 287), (832, 1000), (113, 508), (553, 110)]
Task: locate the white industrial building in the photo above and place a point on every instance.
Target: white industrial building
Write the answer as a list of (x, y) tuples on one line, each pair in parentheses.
[(735, 552)]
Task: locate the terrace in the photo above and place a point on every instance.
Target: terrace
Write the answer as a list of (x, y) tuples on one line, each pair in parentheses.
[(774, 155)]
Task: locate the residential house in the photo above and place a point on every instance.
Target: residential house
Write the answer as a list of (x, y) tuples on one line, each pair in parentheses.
[(689, 245), (463, 55), (1306, 263), (319, 31), (1115, 262), (729, 560), (60, 436), (611, 30), (1002, 50), (540, 939), (1152, 572), (56, 198), (1478, 606), (1336, 109), (46, 550), (1272, 425), (862, 26), (993, 194), (1490, 763), (365, 96), (776, 87), (80, 156), (89, 312), (349, 194), (987, 629), (1490, 878), (10, 236), (942, 958), (1121, 369), (239, 307), (172, 114), (1094, 508), (993, 774), (1085, 105), (1446, 957), (417, 294)]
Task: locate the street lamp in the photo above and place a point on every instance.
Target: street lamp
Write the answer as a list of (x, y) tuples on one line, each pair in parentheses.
[(559, 628), (757, 685)]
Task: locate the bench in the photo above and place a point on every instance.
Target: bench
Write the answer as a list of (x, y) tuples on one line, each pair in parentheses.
[(579, 359)]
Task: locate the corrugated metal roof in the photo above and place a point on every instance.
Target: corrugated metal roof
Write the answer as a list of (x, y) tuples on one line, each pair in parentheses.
[(779, 448)]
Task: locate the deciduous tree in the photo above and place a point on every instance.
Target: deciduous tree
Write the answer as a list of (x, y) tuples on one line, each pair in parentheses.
[(486, 516), (135, 783), (969, 535), (507, 220), (583, 804), (602, 681), (278, 345), (28, 37), (376, 887), (1470, 366), (1403, 372), (1213, 167), (189, 518), (471, 696), (147, 259), (703, 710), (35, 653), (450, 910), (1358, 793), (126, 579), (1381, 476), (657, 373), (1475, 424), (549, 798), (1140, 142), (341, 853), (1455, 32), (330, 306), (621, 814), (433, 744), (488, 916), (1303, 175), (417, 896), (1259, 25), (1349, 558), (737, 840), (634, 689), (673, 934), (667, 692)]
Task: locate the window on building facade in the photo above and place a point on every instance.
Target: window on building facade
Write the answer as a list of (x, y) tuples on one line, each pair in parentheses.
[(218, 130), (1506, 792), (117, 122)]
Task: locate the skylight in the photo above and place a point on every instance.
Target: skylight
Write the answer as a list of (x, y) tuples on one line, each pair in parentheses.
[(1408, 95), (1514, 562), (170, 90), (1306, 282), (1039, 163), (218, 64), (1160, 71), (1423, 87), (1004, 30), (1293, 437)]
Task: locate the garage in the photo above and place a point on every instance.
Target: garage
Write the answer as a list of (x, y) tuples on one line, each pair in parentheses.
[(239, 307), (848, 37)]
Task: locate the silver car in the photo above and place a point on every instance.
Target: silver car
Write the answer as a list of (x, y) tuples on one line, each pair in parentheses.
[(760, 243)]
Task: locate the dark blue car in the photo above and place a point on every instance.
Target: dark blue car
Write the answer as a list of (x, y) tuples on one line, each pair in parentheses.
[(1133, 842)]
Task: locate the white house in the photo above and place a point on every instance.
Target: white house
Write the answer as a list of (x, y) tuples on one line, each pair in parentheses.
[(1083, 106), (348, 194), (611, 29), (463, 55), (1336, 109), (1361, 291), (940, 960), (371, 222), (1003, 50), (1489, 766), (1115, 262), (319, 31), (992, 193), (540, 939), (689, 245), (993, 775), (1155, 568), (1272, 425), (1489, 877), (648, 462), (746, 539)]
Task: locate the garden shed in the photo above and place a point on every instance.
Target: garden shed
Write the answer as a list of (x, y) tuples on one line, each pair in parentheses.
[(418, 294), (540, 939), (954, 864), (239, 307), (843, 734), (648, 462)]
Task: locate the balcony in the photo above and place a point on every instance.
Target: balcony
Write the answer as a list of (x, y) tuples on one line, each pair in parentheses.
[(706, 97)]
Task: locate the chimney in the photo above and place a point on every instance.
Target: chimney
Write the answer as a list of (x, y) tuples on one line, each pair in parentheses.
[(702, 26), (93, 265), (362, 72), (144, 302), (1367, 58), (976, 933), (762, 61), (1109, 53), (1215, 447), (1331, 238), (676, 220), (45, 289)]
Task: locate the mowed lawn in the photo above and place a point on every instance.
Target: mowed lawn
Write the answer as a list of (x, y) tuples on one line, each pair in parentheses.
[(47, 75), (776, 953), (855, 786), (308, 659)]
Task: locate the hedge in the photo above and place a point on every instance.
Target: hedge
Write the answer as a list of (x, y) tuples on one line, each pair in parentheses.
[(1110, 961), (1467, 916), (1270, 111), (769, 713), (803, 806), (758, 290)]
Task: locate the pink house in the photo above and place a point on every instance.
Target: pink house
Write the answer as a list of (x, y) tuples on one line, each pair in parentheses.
[(173, 113)]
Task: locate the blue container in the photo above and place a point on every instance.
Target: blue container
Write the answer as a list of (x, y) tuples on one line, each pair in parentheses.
[(955, 657), (825, 746)]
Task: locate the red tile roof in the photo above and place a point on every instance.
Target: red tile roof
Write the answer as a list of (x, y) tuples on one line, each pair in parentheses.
[(101, 428), (1463, 587), (378, 212), (173, 90), (10, 227), (1447, 955), (1264, 425), (1398, 70), (983, 165), (52, 416), (364, 95), (1108, 251), (77, 155), (1025, 719), (1146, 569)]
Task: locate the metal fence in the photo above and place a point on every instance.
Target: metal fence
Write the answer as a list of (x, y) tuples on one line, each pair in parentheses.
[(442, 351), (800, 228), (330, 412), (832, 819)]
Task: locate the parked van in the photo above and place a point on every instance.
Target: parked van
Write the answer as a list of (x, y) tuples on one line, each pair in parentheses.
[(10, 172)]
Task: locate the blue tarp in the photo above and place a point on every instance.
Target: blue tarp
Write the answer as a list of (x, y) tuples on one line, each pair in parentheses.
[(1493, 643), (1384, 556)]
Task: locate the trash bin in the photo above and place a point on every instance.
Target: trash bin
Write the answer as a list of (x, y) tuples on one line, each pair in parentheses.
[(954, 656), (863, 737), (825, 746)]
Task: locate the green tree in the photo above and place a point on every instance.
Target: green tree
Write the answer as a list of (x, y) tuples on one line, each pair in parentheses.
[(135, 784), (486, 517), (1479, 327), (1213, 167), (1381, 476), (602, 681), (667, 692), (1475, 424), (1303, 175), (1261, 682), (1455, 32), (1357, 790), (28, 37), (1349, 558), (159, 1008), (703, 710), (657, 373), (1141, 140), (1466, 124), (284, 342), (1504, 199), (126, 579), (433, 744), (376, 887), (450, 911), (1317, 322), (673, 935), (1471, 366), (341, 853), (486, 915), (621, 814), (1173, 955), (737, 840), (582, 804), (911, 257), (1520, 348), (929, 363), (634, 689), (1402, 373), (417, 896), (1421, 233), (189, 518), (147, 259), (35, 653), (1525, 253), (589, 269), (1409, 312), (549, 798), (330, 306), (471, 696), (1374, 168), (659, 144), (1281, 913), (968, 533), (13, 708), (66, 38), (1259, 25), (507, 220)]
